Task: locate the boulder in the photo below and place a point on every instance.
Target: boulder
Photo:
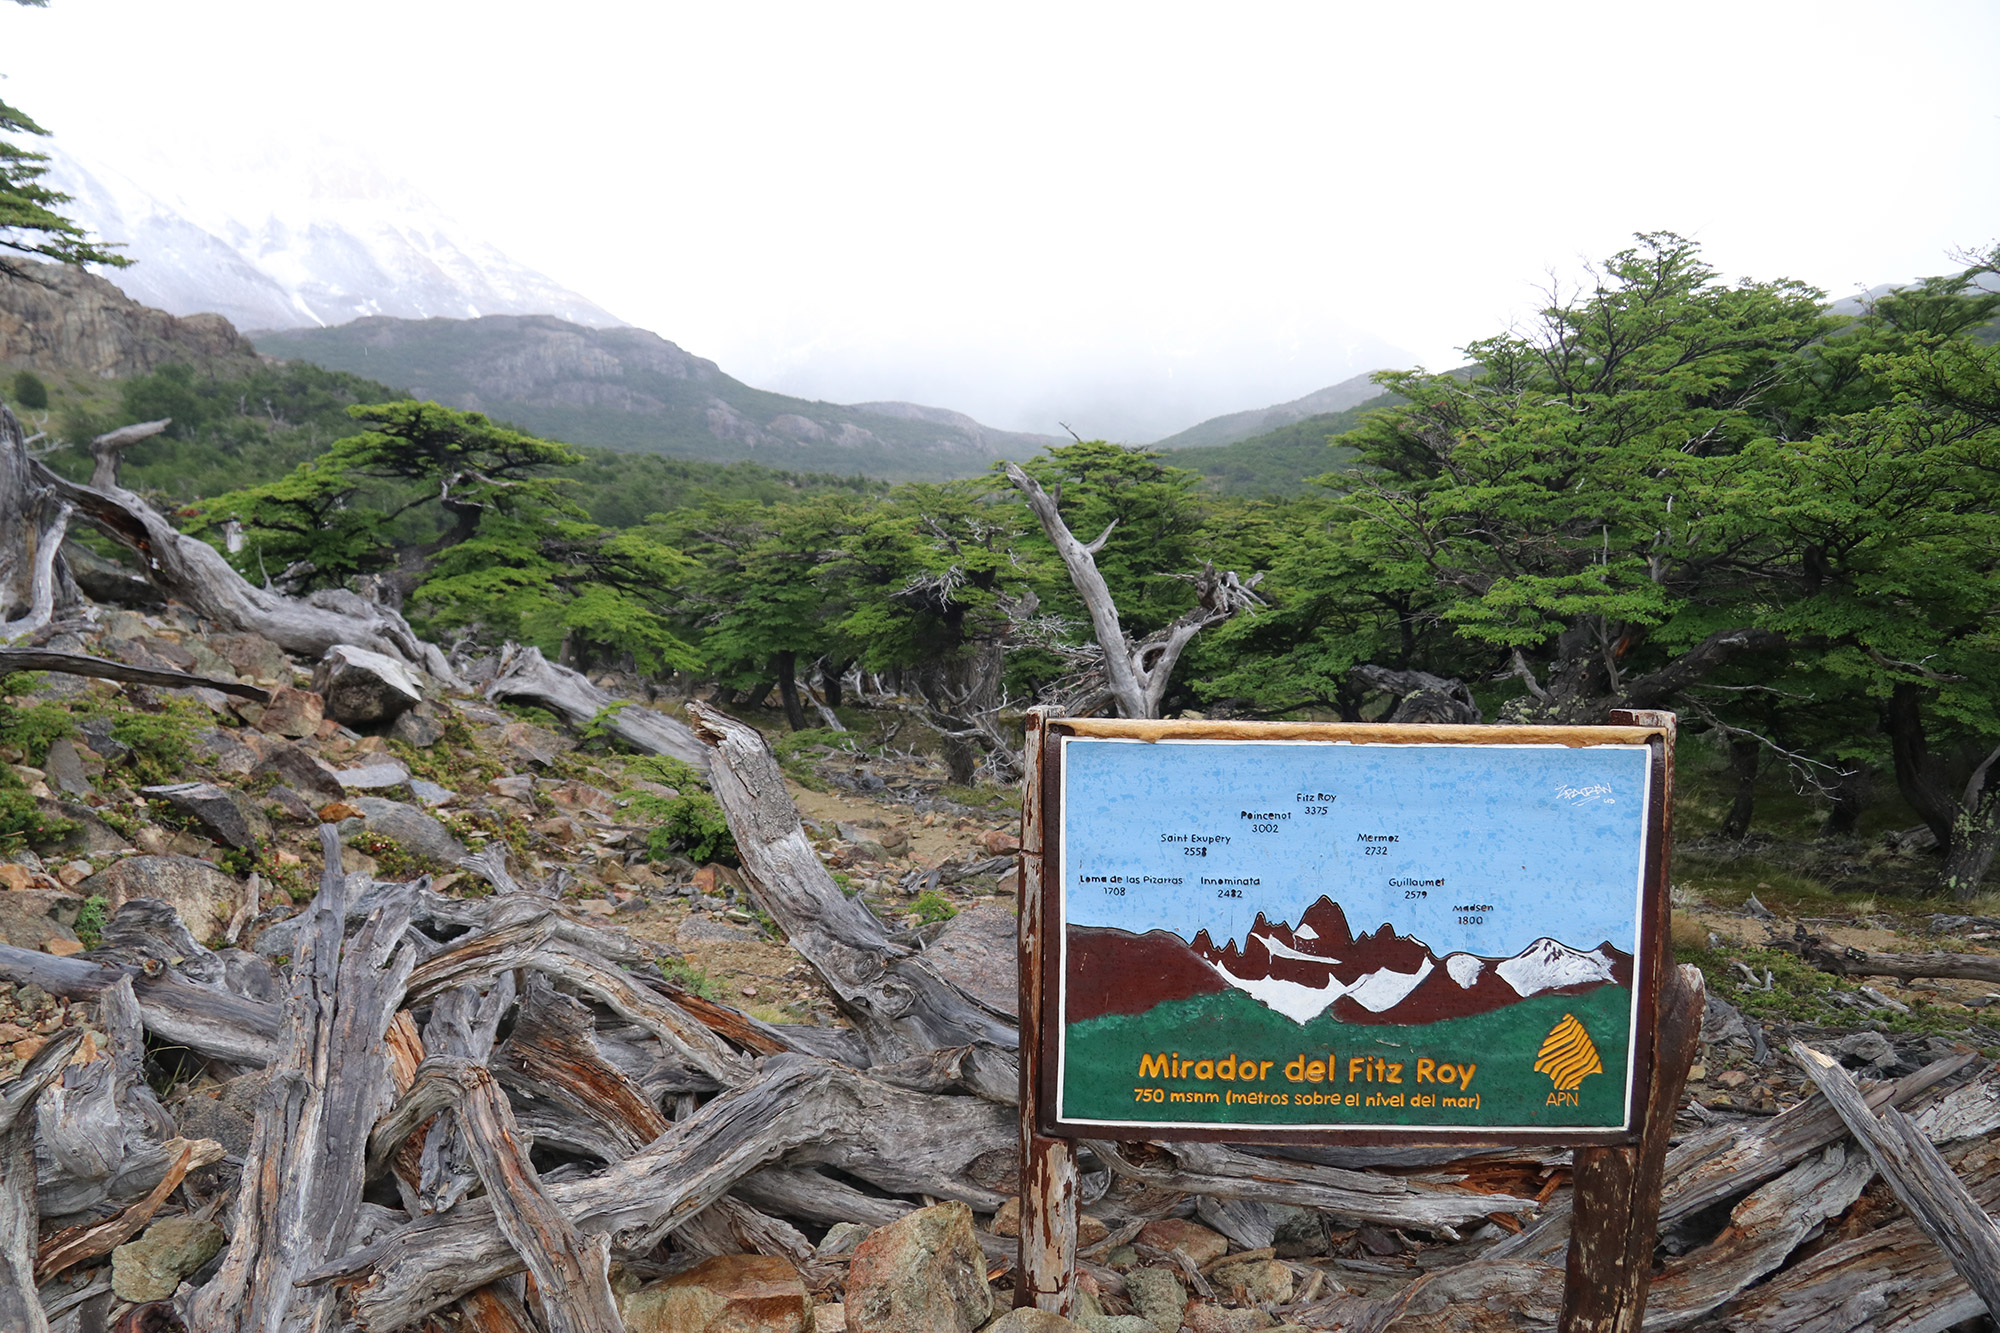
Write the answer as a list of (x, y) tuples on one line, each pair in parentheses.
[(223, 813), (373, 777), (64, 767), (997, 842), (922, 1271), (430, 793), (515, 787), (979, 952), (1266, 1280), (1206, 1317), (1027, 1320), (1113, 1323), (88, 834), (151, 1267), (410, 828), (198, 891), (364, 689), (418, 727), (291, 712), (30, 918), (841, 1238), (531, 744), (733, 1293), (1157, 1296), (252, 655), (225, 752), (301, 772), (1190, 1238)]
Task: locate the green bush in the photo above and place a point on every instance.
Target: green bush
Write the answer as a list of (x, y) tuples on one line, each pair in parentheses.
[(35, 727), (21, 820), (90, 920), (30, 392), (932, 906), (162, 744), (690, 824)]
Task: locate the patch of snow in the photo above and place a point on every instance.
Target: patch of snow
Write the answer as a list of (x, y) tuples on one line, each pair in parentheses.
[(1549, 964), (1464, 968), (1385, 989), (1279, 949), (1294, 1000), (1305, 932)]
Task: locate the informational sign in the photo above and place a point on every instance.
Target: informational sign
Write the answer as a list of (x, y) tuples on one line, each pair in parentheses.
[(1349, 932)]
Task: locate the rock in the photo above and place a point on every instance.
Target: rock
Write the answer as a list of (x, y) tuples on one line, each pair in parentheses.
[(999, 843), (1028, 1320), (373, 777), (534, 745), (90, 833), (29, 918), (301, 772), (364, 689), (430, 793), (73, 873), (418, 727), (293, 804), (1866, 1048), (715, 878), (978, 951), (292, 712), (841, 1238), (1266, 1280), (922, 1271), (1089, 1231), (515, 787), (62, 948), (151, 1267), (1113, 1323), (224, 814), (1203, 1317), (64, 767), (1157, 1296), (225, 752), (1301, 1234), (208, 662), (416, 832), (734, 1293), (895, 840), (1191, 1238), (195, 889), (579, 796), (830, 1319), (252, 655), (702, 930), (1007, 1221)]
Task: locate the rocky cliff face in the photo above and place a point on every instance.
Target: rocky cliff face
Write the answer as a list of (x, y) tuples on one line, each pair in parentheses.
[(59, 318)]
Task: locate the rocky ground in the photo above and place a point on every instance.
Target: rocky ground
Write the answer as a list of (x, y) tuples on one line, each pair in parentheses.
[(117, 793)]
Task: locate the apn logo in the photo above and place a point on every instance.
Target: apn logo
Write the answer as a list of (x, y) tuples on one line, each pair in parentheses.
[(1568, 1056)]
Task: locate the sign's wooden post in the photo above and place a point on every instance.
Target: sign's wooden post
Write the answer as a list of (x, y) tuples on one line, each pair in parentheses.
[(1617, 1211), (1046, 1276)]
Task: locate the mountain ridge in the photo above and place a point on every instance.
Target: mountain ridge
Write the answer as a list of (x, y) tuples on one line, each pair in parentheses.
[(1234, 426)]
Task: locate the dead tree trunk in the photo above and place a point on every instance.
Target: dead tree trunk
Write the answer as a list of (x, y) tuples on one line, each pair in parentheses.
[(900, 1007), (785, 666), (34, 581), (107, 449), (20, 1307), (526, 674), (1137, 674), (1744, 754)]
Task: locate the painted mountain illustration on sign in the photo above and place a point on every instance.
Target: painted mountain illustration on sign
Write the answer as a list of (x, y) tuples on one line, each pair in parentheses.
[(1319, 966)]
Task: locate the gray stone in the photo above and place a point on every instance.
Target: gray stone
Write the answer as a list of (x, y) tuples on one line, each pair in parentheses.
[(416, 832), (253, 655), (979, 952), (29, 918), (225, 752), (295, 805), (225, 814), (363, 688), (430, 793), (208, 662), (1113, 1323), (515, 786), (301, 772), (1868, 1048), (64, 767), (198, 891), (1038, 1321), (373, 777), (841, 1238), (151, 1267), (1157, 1296), (418, 727), (90, 833)]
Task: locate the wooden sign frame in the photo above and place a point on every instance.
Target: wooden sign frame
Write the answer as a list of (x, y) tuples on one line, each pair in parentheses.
[(1609, 1260)]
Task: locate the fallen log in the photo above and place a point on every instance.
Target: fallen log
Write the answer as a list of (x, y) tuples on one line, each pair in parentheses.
[(69, 1248), (1918, 1176), (526, 674), (101, 668), (1905, 967), (207, 1020), (900, 1007), (20, 1307)]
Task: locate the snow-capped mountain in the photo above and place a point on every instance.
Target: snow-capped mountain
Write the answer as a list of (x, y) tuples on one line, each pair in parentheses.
[(1320, 966), (293, 237)]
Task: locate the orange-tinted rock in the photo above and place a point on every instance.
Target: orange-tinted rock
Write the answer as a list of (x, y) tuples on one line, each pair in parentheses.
[(999, 843), (1193, 1239), (292, 712), (734, 1293), (922, 1271)]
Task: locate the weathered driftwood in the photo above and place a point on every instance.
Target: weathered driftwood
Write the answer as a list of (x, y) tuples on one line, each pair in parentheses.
[(900, 1007), (550, 1058), (1906, 967), (205, 1019), (68, 1248), (198, 576), (34, 581), (526, 674), (109, 448), (20, 1307), (571, 1272), (304, 1172), (1918, 1176), (100, 668)]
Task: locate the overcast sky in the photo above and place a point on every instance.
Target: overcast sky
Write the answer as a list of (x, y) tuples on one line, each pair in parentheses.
[(1020, 210)]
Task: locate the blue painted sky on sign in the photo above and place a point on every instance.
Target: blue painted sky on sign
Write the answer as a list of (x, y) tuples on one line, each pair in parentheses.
[(1550, 839)]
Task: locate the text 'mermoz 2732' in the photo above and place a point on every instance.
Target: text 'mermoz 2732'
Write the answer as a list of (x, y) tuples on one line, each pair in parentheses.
[(1351, 931)]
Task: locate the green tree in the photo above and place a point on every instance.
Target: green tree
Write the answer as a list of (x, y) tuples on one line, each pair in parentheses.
[(30, 392), (29, 223)]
